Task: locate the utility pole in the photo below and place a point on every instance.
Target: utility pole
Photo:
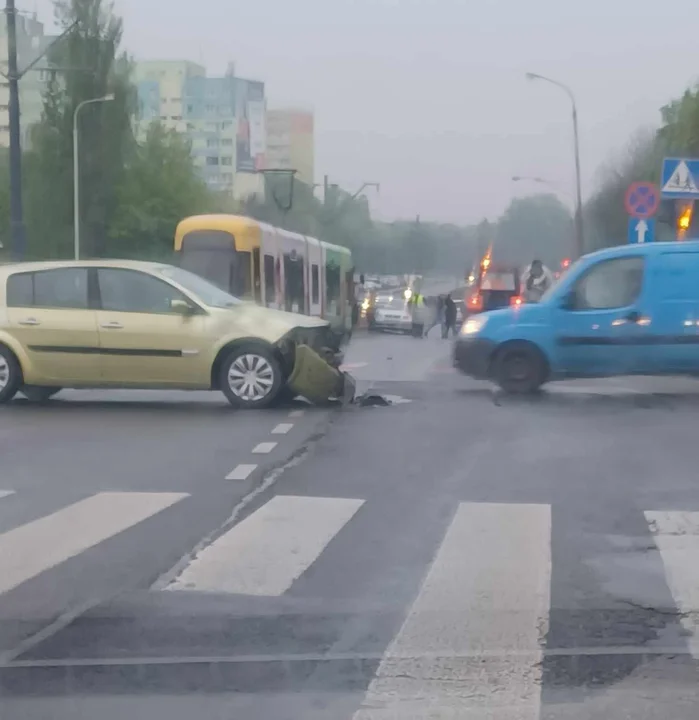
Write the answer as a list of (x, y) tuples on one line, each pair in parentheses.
[(14, 75), (17, 230)]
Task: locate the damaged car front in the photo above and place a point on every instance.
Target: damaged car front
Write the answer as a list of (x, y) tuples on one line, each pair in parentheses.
[(261, 355)]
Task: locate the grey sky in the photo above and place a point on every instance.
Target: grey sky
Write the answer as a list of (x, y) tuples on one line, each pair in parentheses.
[(428, 96)]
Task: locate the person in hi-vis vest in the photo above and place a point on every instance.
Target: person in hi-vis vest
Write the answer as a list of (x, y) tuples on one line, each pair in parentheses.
[(417, 311)]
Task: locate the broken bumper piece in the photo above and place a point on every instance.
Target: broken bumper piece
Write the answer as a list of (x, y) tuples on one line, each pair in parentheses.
[(315, 378)]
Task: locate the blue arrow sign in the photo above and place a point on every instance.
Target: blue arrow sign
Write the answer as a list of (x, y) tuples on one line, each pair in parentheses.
[(641, 230), (680, 178)]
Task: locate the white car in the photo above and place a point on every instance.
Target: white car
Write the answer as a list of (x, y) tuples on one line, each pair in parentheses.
[(392, 317)]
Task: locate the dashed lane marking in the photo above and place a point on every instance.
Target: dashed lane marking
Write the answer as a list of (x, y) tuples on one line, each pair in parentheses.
[(296, 413), (282, 428), (241, 472), (264, 448)]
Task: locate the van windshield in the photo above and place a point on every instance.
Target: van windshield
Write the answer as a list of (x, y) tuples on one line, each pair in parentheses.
[(557, 281)]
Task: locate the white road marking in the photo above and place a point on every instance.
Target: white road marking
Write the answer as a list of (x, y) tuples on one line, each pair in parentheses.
[(263, 448), (472, 643), (676, 535), (271, 548), (5, 493), (282, 428), (37, 546), (241, 472), (352, 366), (296, 413)]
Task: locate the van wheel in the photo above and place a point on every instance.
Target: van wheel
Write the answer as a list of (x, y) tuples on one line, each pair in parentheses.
[(38, 393), (10, 375), (519, 368), (251, 377)]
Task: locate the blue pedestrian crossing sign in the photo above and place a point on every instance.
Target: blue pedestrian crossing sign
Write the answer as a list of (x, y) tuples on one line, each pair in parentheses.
[(680, 178), (641, 230)]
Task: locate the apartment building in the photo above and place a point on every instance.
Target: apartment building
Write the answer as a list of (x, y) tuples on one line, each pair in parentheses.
[(290, 142), (222, 117)]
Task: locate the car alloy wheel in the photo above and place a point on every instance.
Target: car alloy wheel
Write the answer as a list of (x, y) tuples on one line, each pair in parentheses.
[(250, 377), (4, 372), (10, 375)]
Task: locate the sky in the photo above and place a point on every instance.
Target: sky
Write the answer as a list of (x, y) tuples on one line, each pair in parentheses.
[(429, 97)]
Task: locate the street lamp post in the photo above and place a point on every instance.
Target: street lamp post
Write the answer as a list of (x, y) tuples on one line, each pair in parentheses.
[(76, 171), (579, 241)]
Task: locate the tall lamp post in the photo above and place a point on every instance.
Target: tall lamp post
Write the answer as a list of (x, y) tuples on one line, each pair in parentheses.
[(579, 241), (76, 171)]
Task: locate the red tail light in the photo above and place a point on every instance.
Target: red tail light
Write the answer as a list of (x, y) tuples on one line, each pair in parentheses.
[(516, 301), (475, 302)]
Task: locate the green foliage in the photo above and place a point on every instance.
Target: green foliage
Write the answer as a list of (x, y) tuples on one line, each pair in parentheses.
[(678, 135), (539, 226), (604, 216), (131, 194), (95, 68), (157, 190)]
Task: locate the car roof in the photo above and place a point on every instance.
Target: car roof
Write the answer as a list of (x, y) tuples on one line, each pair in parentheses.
[(11, 268)]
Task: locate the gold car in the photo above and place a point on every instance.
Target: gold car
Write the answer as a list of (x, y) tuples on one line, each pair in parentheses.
[(146, 325)]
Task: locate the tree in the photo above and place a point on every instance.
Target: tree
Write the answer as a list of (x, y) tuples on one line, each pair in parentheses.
[(158, 187), (604, 213), (539, 226), (94, 67)]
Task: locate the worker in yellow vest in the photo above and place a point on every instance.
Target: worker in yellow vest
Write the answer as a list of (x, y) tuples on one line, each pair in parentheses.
[(417, 311)]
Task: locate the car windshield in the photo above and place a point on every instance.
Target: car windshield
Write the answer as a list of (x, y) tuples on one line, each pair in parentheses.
[(205, 291)]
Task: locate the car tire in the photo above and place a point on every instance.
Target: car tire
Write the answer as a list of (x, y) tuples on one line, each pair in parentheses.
[(519, 368), (248, 363), (10, 375), (38, 393)]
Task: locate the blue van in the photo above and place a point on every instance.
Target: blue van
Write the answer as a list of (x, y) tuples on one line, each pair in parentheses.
[(625, 310)]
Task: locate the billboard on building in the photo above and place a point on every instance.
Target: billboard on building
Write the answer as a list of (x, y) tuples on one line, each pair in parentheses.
[(250, 115)]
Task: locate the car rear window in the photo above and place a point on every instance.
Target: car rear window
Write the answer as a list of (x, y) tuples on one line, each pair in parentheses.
[(498, 281)]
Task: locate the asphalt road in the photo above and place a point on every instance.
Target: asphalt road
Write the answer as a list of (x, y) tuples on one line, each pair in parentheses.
[(458, 554)]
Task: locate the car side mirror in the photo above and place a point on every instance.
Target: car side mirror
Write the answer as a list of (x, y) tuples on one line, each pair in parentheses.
[(182, 307)]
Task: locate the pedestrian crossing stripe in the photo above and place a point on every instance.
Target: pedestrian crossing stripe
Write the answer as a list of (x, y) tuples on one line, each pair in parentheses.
[(32, 548), (472, 640), (266, 552)]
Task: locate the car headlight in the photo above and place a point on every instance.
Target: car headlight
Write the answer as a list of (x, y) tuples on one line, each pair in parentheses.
[(474, 325)]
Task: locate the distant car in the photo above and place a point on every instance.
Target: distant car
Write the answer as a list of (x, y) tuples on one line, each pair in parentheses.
[(112, 323), (392, 316)]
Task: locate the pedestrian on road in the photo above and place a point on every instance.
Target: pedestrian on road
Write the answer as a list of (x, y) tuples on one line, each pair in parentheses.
[(438, 315), (449, 317)]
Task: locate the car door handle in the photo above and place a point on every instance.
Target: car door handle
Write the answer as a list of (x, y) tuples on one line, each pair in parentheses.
[(29, 321), (112, 326), (634, 316)]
